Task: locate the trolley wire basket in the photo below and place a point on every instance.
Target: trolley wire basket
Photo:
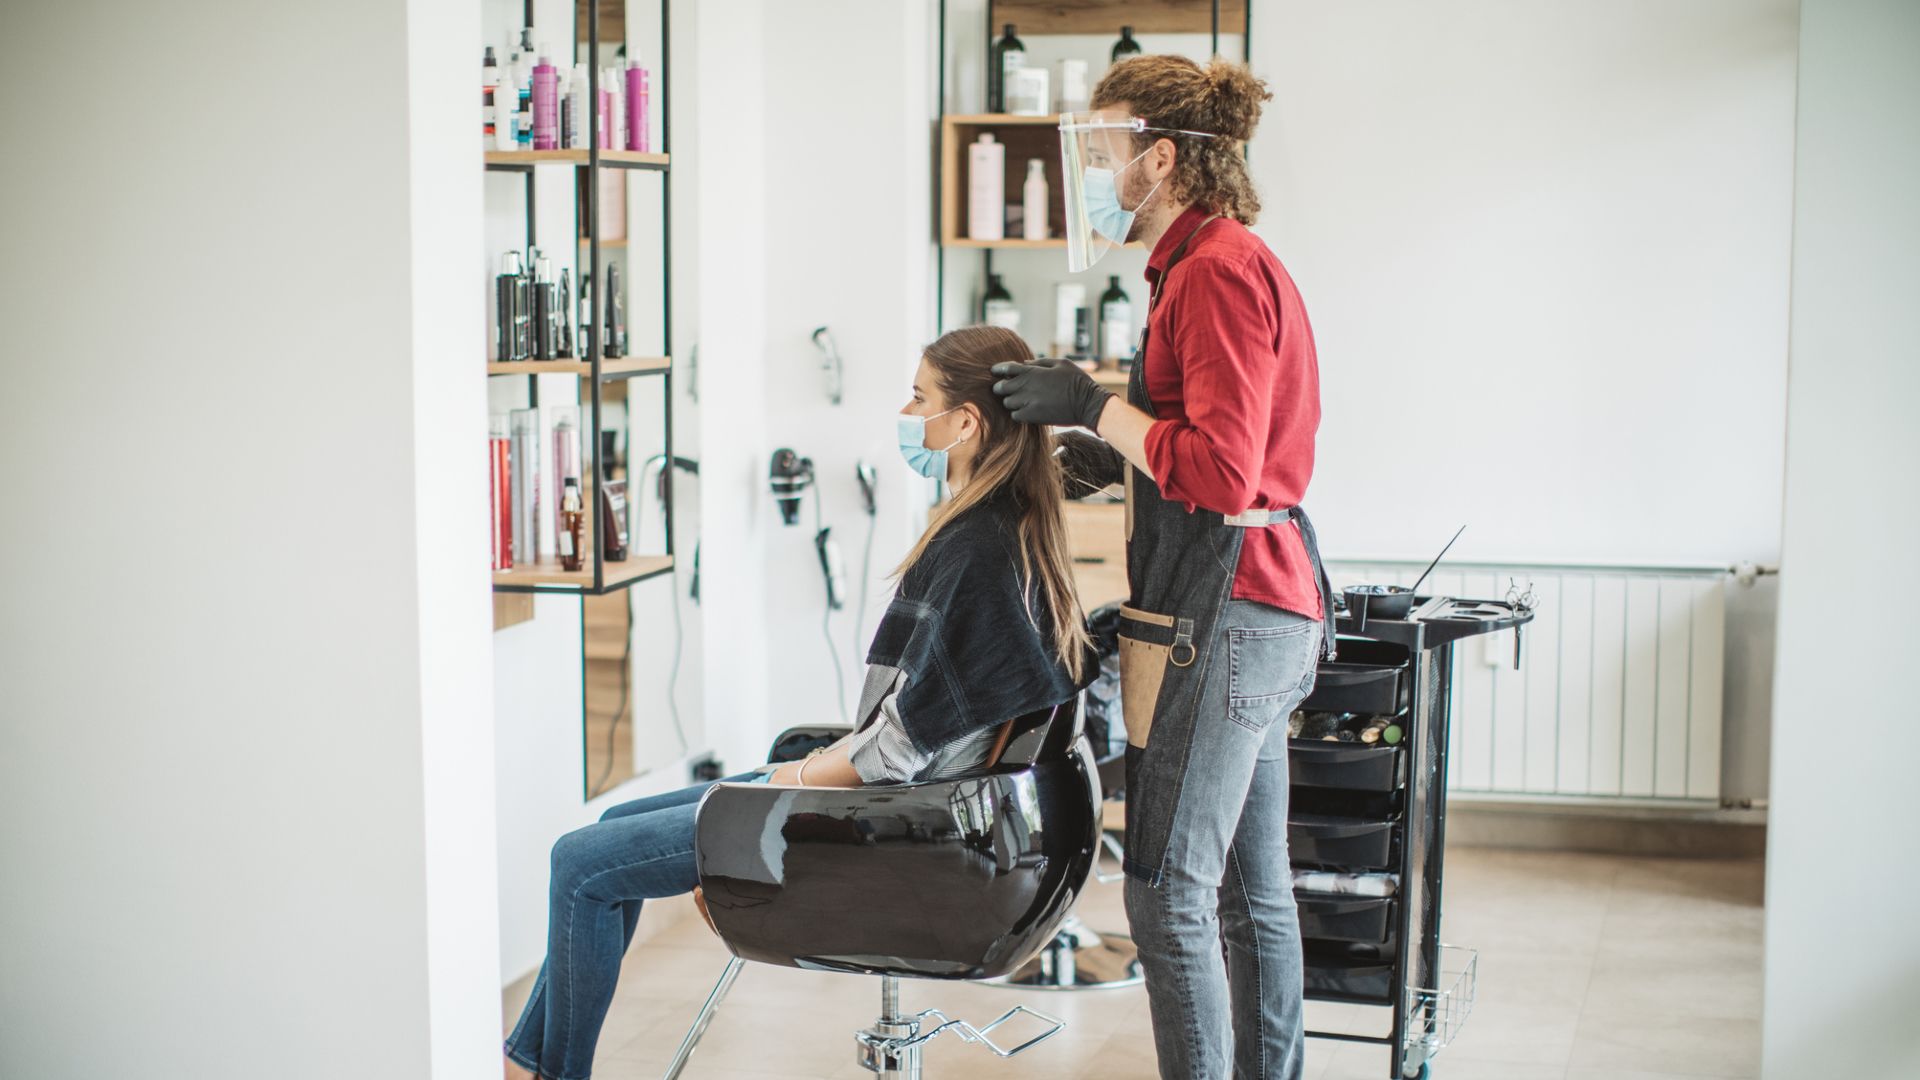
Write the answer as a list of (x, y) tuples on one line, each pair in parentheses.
[(1436, 1014)]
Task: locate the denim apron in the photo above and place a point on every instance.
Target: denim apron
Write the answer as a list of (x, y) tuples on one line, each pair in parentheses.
[(1180, 571)]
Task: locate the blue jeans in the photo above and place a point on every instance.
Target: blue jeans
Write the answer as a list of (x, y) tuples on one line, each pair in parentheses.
[(1227, 874), (640, 850)]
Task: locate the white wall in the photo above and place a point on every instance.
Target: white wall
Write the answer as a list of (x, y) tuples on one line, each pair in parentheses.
[(846, 244), (1840, 972), (1545, 252), (246, 794)]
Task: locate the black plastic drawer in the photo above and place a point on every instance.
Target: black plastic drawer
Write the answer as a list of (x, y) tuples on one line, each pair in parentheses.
[(1355, 973), (1341, 841), (1370, 677), (1350, 766), (1338, 917)]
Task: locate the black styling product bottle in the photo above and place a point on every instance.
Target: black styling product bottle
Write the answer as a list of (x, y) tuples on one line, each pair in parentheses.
[(545, 318), (583, 323), (1116, 324), (1126, 46), (615, 345), (564, 330), (510, 301), (1008, 52)]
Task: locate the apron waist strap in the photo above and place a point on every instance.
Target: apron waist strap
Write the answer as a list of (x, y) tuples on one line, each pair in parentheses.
[(1259, 519)]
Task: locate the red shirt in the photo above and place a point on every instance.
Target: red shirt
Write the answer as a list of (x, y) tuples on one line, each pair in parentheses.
[(1231, 372)]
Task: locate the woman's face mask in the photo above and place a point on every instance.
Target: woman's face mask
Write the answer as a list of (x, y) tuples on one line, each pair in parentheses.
[(1104, 211), (931, 464)]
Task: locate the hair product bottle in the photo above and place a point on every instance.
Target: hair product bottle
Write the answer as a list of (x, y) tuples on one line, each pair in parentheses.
[(583, 323), (576, 126), (1033, 200), (1116, 324), (564, 467), (1126, 46), (573, 524), (616, 337), (500, 490), (523, 82), (616, 112), (526, 486), (563, 327), (546, 105), (550, 321), (997, 307), (613, 519), (638, 135), (1009, 55), (986, 189), (1068, 298), (489, 81), (511, 308)]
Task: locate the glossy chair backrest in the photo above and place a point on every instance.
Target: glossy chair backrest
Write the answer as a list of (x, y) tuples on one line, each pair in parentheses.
[(954, 879)]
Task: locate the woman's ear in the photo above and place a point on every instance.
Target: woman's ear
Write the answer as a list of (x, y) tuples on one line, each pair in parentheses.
[(971, 425)]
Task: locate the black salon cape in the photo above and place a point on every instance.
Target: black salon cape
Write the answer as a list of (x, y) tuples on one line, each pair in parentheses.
[(975, 651)]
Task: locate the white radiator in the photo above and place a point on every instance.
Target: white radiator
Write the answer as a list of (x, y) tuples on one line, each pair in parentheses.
[(1618, 693)]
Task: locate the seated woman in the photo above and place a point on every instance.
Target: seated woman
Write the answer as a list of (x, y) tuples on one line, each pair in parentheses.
[(983, 627)]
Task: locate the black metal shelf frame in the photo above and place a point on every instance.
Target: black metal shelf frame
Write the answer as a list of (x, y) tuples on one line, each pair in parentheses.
[(598, 378)]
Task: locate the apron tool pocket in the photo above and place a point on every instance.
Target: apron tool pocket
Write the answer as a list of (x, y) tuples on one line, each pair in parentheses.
[(1149, 643), (1271, 668)]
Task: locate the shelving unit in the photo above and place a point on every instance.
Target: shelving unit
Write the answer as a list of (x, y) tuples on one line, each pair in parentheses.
[(595, 372)]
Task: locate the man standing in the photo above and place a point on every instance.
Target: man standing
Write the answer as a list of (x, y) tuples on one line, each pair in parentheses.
[(1229, 608)]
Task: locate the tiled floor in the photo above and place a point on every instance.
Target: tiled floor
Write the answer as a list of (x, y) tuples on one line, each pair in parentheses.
[(1592, 967)]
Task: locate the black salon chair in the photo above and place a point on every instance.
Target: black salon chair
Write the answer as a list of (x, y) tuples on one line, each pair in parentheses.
[(945, 879), (1080, 957)]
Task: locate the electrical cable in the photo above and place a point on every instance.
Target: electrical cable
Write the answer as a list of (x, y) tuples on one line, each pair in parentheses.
[(826, 619), (866, 575), (673, 673)]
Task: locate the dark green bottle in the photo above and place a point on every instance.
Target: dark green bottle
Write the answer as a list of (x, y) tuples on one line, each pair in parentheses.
[(1126, 46), (1116, 325), (1007, 51)]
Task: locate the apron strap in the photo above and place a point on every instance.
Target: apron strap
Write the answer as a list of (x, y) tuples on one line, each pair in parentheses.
[(1260, 519), (1328, 650)]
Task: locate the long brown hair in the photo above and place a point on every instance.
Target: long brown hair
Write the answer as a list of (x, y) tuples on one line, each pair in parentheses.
[(1015, 456), (1223, 99)]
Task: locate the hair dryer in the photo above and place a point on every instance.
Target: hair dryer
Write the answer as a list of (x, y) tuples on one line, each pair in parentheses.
[(789, 476)]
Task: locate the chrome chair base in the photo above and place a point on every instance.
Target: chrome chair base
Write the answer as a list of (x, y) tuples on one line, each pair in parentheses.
[(892, 1046), (1080, 958)]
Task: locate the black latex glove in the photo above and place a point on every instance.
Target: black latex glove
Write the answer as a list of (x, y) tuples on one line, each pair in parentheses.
[(1050, 392)]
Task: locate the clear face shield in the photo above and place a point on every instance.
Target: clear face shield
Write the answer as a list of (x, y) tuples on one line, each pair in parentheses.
[(1095, 152)]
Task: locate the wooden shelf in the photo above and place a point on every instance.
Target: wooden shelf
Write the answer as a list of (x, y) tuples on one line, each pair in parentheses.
[(546, 575), (609, 159), (1111, 378), (1106, 17), (624, 368)]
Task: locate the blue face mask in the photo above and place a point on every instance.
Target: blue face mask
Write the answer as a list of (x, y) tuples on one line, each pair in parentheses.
[(931, 464), (1104, 211)]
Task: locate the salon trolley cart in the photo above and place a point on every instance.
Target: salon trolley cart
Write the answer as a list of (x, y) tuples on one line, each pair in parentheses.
[(1375, 808)]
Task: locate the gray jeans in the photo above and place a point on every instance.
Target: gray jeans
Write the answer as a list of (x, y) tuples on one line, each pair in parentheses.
[(1227, 872)]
